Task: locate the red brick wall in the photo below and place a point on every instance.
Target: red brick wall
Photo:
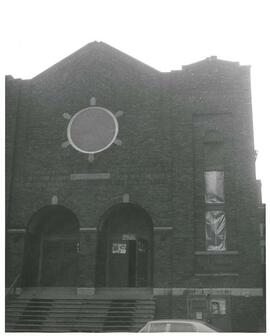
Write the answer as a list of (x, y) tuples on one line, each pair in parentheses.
[(158, 164)]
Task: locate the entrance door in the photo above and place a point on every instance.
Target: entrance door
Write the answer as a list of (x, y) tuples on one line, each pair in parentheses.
[(50, 255), (128, 263), (142, 262), (124, 249), (58, 262), (118, 263), (132, 263)]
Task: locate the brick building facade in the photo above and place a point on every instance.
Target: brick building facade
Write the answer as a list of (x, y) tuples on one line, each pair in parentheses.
[(170, 204)]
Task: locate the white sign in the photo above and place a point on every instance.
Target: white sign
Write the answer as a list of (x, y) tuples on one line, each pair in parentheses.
[(118, 248)]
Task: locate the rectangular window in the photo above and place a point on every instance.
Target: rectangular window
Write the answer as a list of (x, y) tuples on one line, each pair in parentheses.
[(214, 187), (218, 306), (215, 230), (214, 191)]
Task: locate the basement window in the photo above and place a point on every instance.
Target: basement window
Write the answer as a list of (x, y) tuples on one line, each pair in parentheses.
[(218, 306)]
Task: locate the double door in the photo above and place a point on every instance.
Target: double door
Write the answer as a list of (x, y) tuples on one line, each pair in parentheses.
[(127, 264), (58, 262)]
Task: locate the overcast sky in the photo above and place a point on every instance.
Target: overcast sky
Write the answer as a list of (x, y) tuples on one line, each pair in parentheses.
[(163, 34)]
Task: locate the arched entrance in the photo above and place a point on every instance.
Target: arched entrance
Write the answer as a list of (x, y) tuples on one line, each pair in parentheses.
[(124, 251), (50, 255)]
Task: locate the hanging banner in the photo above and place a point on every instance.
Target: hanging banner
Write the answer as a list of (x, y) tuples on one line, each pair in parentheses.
[(215, 230)]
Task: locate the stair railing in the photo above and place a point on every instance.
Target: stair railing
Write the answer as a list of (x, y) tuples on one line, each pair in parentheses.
[(11, 291)]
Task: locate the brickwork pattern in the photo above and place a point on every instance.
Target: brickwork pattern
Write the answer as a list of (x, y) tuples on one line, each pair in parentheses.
[(159, 163)]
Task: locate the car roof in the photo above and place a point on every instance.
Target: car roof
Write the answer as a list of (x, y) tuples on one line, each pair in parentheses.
[(194, 322)]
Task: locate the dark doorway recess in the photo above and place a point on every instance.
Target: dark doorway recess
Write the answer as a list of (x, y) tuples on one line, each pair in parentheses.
[(124, 249), (51, 243)]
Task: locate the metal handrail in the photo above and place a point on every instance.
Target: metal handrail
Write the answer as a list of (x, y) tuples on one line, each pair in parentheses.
[(12, 289)]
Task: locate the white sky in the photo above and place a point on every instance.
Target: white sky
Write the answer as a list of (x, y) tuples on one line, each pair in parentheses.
[(163, 34)]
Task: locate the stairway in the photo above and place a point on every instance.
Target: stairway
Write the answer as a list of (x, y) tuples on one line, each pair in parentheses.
[(77, 315)]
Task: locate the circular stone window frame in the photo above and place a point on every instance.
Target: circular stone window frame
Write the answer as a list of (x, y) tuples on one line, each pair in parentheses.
[(82, 111)]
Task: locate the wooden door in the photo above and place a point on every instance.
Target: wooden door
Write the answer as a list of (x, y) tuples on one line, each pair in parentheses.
[(59, 263), (142, 262), (117, 263), (132, 263), (128, 263)]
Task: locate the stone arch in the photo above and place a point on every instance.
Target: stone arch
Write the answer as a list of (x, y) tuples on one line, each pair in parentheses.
[(124, 248), (50, 255)]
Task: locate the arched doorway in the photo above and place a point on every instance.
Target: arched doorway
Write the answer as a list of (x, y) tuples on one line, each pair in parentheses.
[(50, 255), (124, 250)]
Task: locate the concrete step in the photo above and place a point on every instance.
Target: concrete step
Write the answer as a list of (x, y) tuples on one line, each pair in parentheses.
[(89, 304), (63, 328), (67, 314), (81, 314)]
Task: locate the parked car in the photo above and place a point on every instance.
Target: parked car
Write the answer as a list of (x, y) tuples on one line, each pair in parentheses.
[(177, 326)]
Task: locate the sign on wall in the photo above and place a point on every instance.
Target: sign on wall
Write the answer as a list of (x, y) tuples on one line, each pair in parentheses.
[(119, 248), (218, 306)]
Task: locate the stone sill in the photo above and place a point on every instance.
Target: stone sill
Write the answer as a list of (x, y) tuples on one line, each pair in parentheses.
[(216, 253), (215, 274)]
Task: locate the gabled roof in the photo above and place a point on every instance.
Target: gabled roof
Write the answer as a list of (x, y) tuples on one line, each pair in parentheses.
[(93, 51)]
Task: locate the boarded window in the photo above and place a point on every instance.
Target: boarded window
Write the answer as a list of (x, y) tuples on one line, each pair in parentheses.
[(215, 230), (214, 187)]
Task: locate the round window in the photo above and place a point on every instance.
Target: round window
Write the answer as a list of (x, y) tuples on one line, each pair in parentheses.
[(92, 130)]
